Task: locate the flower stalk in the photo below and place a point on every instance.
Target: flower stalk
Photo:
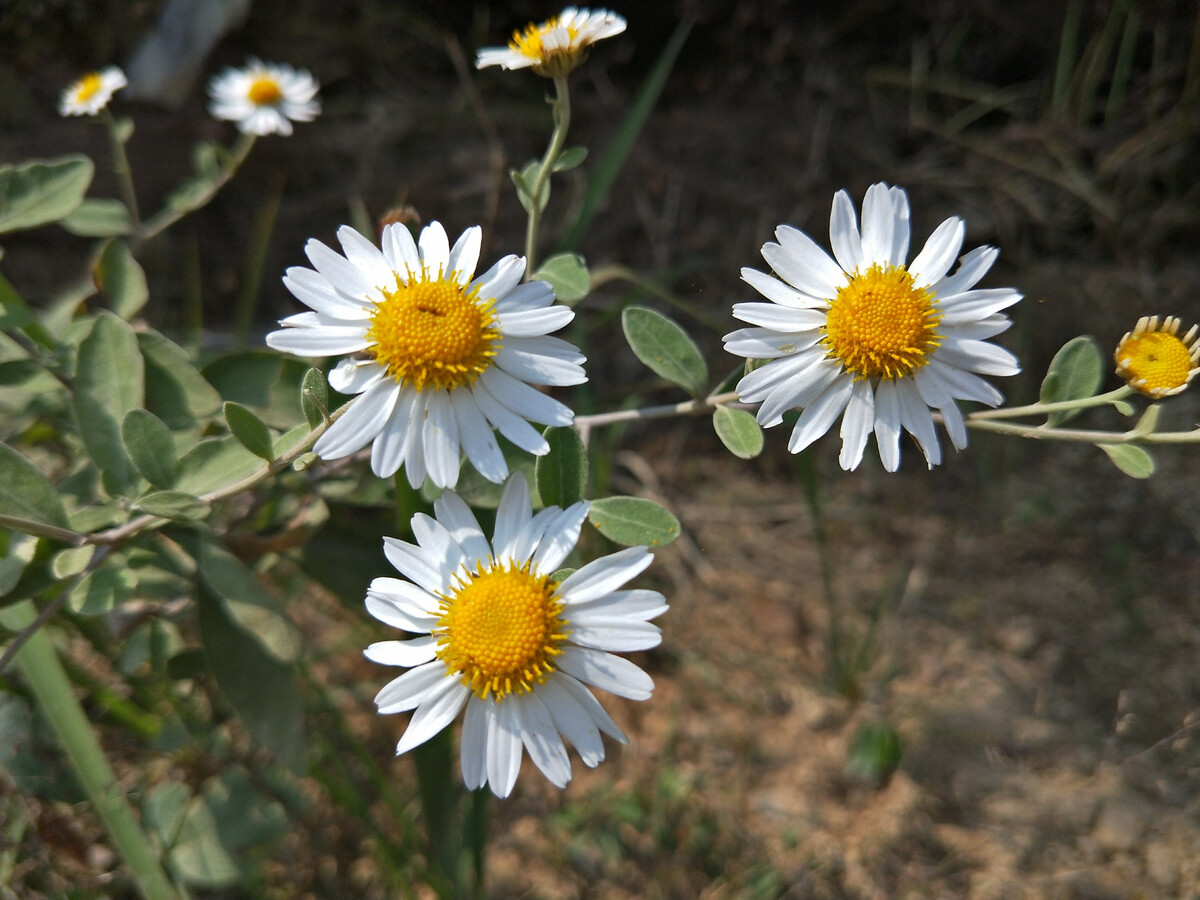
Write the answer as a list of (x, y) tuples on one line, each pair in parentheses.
[(560, 107)]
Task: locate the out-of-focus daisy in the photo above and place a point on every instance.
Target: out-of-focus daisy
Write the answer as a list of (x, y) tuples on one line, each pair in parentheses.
[(441, 359), (264, 98), (871, 338), (556, 46), (91, 93), (501, 637), (1153, 359)]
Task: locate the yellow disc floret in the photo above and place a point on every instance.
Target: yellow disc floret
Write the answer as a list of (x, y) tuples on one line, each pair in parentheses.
[(432, 333), (87, 88), (550, 62), (1156, 361), (500, 630), (880, 326), (264, 92)]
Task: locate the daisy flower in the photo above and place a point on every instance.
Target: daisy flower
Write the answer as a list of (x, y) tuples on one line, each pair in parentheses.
[(264, 98), (502, 638), (441, 358), (1154, 360), (91, 93), (556, 46), (869, 337)]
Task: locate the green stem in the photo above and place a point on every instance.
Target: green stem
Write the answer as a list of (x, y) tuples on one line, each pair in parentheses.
[(121, 165), (561, 109), (1040, 409), (440, 801), (1080, 436), (38, 662)]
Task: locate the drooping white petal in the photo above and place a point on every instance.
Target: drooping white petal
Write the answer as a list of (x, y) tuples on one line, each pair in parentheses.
[(359, 424), (915, 417), (821, 413), (887, 424), (410, 689), (541, 739), (614, 674), (353, 376), (857, 423), (503, 748), (477, 438), (779, 291), (571, 720), (437, 710)]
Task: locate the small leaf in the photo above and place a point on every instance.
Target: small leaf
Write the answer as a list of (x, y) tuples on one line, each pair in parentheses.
[(525, 179), (122, 280), (1124, 407), (1148, 423), (666, 348), (1131, 459), (250, 431), (175, 390), (314, 397), (634, 521), (102, 591), (123, 129), (563, 472), (1075, 373), (17, 556), (40, 192), (261, 688), (197, 856), (150, 446), (250, 608), (567, 274), (25, 493), (570, 158), (290, 439), (108, 384), (173, 505), (215, 464), (738, 431), (71, 561), (18, 371), (99, 217), (163, 810), (16, 314)]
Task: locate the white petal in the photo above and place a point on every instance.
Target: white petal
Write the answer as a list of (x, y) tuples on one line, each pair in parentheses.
[(638, 603), (978, 356), (901, 226), (887, 424), (353, 376), (952, 419), (780, 291), (503, 748), (843, 233), (972, 267), (437, 711), (477, 438), (463, 528), (435, 249), (313, 290), (821, 413), (537, 368), (857, 424), (513, 513), (525, 401), (389, 612), (939, 253), (322, 341), (410, 653), (366, 257), (415, 565), (337, 270), (590, 705), (605, 574), (508, 423), (614, 674), (541, 738), (571, 720), (535, 322), (526, 298), (410, 689), (762, 343), (965, 386), (407, 596), (387, 452), (915, 417), (472, 750), (440, 437), (754, 386), (400, 250), (616, 633), (464, 255), (878, 225), (801, 263), (527, 540), (437, 543), (779, 318), (414, 445), (799, 391), (359, 424), (560, 539), (971, 306), (500, 278)]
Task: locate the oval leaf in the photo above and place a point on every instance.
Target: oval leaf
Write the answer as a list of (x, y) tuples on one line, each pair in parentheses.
[(108, 384), (1131, 459), (250, 431), (570, 158), (102, 591), (25, 493), (150, 446), (175, 390), (99, 217), (122, 280), (39, 192), (633, 521), (738, 431), (1075, 372), (568, 274), (173, 505), (666, 348), (215, 464), (314, 397), (562, 473)]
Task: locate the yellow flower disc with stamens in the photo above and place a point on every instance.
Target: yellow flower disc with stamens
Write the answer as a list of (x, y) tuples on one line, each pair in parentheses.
[(550, 63), (1156, 361), (499, 631), (265, 92), (880, 326), (432, 333), (89, 86)]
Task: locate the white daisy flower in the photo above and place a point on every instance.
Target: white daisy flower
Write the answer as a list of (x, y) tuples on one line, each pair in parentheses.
[(442, 359), (91, 93), (870, 338), (519, 647), (264, 98), (556, 46)]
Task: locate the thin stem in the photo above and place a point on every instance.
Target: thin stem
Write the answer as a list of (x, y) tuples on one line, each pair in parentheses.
[(121, 165), (169, 215), (561, 109), (1037, 409), (38, 662), (1080, 436)]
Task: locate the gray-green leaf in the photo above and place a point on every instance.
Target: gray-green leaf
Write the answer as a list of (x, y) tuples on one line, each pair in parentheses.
[(569, 159), (738, 431), (25, 493), (562, 473), (99, 217), (1131, 459), (122, 280), (634, 521), (173, 505), (215, 464), (42, 191), (175, 390), (666, 348), (1075, 373), (567, 274), (150, 446), (108, 384), (314, 397), (251, 432)]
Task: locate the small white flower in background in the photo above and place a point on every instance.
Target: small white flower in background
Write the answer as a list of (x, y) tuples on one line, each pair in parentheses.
[(556, 46), (442, 359), (91, 93), (264, 98), (871, 338), (500, 637)]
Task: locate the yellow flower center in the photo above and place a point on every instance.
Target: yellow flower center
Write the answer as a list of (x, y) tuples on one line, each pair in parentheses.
[(880, 326), (432, 333), (1158, 362), (550, 63), (89, 87), (264, 92), (499, 632)]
